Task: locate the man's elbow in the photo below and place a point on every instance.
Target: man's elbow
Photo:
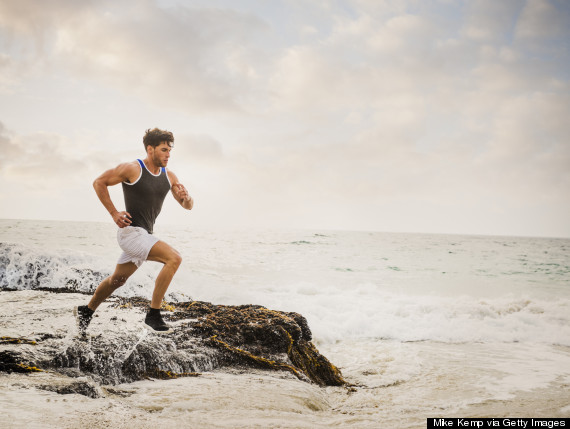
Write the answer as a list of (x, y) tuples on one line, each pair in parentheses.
[(98, 184)]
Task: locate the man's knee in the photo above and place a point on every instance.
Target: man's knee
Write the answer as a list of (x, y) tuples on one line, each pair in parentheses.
[(117, 280), (175, 258)]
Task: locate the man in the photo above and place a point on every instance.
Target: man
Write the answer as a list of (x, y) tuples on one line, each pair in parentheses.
[(145, 185)]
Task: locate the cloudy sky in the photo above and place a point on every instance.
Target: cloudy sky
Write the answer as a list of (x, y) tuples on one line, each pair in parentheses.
[(388, 115)]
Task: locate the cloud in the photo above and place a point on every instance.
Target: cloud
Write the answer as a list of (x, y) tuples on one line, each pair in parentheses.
[(197, 148), (191, 59), (38, 161), (543, 19), (357, 110), (490, 21)]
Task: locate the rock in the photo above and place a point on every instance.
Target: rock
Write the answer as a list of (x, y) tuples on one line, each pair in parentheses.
[(83, 387), (12, 361), (205, 337), (253, 335)]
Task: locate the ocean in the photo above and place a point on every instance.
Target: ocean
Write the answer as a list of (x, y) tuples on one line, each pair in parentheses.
[(421, 325)]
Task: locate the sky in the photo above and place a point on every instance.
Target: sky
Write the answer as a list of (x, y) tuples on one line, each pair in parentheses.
[(431, 116)]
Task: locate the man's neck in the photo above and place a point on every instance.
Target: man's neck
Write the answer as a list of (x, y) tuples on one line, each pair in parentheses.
[(154, 169)]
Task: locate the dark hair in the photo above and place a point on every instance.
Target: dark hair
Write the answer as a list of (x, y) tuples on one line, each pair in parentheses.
[(156, 136)]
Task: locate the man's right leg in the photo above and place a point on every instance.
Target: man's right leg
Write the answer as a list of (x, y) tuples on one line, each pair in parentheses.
[(111, 284), (84, 313), (163, 253)]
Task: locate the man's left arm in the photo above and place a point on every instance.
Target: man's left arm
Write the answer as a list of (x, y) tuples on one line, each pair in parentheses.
[(179, 192)]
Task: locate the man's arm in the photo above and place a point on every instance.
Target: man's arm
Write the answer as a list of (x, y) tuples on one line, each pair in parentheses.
[(179, 192), (121, 173)]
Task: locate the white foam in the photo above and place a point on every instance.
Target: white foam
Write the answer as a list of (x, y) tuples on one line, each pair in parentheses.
[(448, 319)]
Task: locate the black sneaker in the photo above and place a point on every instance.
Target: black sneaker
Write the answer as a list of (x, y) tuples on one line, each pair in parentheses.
[(154, 320), (83, 315)]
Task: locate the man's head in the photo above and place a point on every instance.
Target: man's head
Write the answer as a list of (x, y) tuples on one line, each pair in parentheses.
[(158, 144), (156, 136)]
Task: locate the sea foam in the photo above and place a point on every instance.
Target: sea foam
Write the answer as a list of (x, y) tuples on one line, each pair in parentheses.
[(336, 315)]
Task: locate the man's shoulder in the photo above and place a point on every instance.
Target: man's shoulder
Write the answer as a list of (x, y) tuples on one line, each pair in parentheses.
[(129, 171), (129, 166)]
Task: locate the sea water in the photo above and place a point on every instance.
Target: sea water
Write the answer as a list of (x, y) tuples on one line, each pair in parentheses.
[(421, 325)]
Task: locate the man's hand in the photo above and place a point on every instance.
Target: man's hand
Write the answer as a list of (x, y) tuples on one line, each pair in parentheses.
[(122, 219), (126, 172), (182, 196), (180, 192)]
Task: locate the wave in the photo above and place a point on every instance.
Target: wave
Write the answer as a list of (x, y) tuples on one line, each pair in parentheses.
[(366, 312), (23, 267)]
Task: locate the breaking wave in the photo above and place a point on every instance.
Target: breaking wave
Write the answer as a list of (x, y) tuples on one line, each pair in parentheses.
[(460, 319), (23, 267)]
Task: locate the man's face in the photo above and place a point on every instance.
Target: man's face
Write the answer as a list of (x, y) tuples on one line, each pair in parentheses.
[(160, 154)]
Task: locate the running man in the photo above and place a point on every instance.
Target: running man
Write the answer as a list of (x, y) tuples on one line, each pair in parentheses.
[(145, 185)]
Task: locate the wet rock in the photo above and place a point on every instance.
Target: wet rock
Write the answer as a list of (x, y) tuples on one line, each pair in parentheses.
[(253, 335), (14, 361), (84, 387), (205, 337), (123, 393)]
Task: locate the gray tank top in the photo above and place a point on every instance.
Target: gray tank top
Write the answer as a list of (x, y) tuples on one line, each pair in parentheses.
[(144, 197)]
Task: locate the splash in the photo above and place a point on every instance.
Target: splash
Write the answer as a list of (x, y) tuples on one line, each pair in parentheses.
[(23, 268)]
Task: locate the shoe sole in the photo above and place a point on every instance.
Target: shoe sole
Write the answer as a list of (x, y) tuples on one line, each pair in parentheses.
[(77, 322), (151, 329)]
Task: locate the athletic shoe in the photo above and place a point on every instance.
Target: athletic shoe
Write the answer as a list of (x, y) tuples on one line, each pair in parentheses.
[(154, 320), (83, 315)]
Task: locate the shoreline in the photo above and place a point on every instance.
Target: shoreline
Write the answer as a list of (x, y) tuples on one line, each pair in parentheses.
[(266, 399), (396, 384)]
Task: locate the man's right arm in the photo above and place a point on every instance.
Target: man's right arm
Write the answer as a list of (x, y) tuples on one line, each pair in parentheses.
[(121, 173)]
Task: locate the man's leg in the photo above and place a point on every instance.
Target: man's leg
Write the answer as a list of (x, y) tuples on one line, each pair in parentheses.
[(162, 252), (111, 284), (84, 313)]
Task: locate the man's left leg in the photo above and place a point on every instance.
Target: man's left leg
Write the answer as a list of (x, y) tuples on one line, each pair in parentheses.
[(162, 252), (167, 255)]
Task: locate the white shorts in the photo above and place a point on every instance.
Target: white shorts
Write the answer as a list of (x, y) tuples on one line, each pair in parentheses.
[(136, 243)]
